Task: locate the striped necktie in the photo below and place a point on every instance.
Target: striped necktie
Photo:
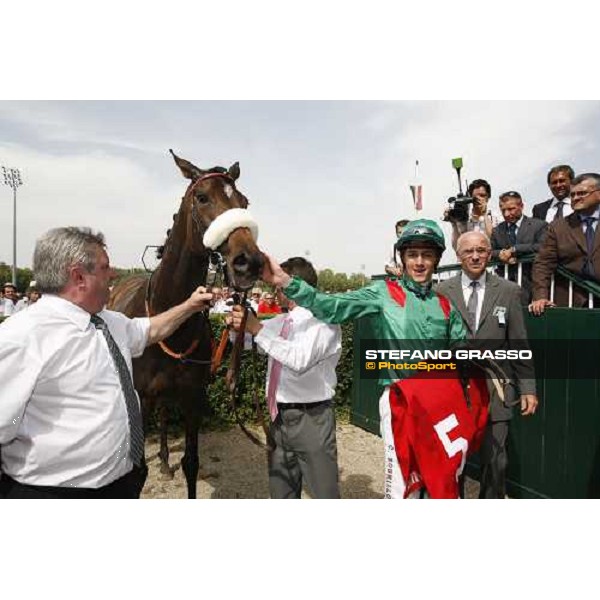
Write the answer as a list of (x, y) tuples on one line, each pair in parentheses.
[(559, 209), (134, 416), (472, 306)]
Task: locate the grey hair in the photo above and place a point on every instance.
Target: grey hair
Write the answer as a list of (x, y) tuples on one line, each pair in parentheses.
[(58, 250), (462, 237), (595, 177)]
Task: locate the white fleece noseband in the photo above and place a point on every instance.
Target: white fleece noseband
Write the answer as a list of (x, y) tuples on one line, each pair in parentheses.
[(220, 229)]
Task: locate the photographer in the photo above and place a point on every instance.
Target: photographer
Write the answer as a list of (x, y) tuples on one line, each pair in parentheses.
[(480, 219)]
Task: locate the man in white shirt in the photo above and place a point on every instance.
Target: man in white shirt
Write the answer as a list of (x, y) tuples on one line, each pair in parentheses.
[(220, 305), (303, 354), (70, 421), (559, 181), (9, 302)]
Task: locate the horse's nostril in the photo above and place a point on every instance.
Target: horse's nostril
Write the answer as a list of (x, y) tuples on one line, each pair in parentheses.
[(240, 261), (245, 263)]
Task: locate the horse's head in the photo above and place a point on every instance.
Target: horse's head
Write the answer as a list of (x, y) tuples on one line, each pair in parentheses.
[(216, 219)]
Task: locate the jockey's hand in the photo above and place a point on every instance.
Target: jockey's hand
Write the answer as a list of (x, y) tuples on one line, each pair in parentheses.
[(537, 307), (199, 299), (273, 273), (253, 325), (529, 403)]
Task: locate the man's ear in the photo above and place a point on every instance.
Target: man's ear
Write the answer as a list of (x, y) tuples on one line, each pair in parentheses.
[(76, 275)]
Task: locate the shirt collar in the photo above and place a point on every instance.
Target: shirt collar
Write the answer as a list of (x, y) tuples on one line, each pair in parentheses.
[(297, 314), (465, 280), (555, 201), (595, 214), (75, 314), (518, 223)]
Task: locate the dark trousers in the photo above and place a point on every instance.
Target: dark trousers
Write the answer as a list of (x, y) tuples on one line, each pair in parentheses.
[(127, 487), (306, 451), (494, 460)]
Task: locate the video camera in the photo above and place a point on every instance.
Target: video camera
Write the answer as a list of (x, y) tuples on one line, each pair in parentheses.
[(459, 210)]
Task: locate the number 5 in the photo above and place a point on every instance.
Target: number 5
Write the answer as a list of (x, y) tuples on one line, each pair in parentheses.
[(460, 444)]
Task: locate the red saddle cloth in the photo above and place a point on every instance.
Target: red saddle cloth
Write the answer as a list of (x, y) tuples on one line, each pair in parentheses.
[(434, 430)]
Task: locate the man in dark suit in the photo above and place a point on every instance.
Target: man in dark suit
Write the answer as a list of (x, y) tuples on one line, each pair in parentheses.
[(573, 243), (492, 311), (559, 181), (517, 236)]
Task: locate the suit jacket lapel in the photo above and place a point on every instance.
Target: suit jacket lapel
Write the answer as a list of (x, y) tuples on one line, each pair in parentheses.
[(456, 295), (574, 227), (492, 290), (522, 231)]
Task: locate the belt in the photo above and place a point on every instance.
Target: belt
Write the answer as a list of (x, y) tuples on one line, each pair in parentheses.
[(301, 405)]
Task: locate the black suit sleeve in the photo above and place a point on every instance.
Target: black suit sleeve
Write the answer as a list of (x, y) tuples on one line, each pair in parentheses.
[(496, 241)]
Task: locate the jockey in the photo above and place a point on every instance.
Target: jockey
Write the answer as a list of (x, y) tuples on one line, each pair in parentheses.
[(404, 308)]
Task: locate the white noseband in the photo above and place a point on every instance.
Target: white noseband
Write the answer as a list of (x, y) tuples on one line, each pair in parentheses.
[(220, 229)]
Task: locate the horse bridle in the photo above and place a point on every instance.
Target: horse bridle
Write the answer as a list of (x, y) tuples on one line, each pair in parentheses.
[(190, 192), (232, 376), (215, 258)]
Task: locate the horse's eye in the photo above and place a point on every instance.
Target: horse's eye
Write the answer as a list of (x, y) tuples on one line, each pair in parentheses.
[(202, 198)]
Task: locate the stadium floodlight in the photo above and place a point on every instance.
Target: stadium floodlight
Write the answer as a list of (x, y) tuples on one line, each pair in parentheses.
[(12, 178)]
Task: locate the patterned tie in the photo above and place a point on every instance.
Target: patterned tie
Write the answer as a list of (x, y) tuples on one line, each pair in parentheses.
[(472, 306), (559, 209), (589, 240), (512, 234), (276, 372), (136, 430)]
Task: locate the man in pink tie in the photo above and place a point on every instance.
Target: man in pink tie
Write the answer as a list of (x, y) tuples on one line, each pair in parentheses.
[(303, 354)]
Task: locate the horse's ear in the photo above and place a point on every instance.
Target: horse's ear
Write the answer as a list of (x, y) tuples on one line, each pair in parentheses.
[(189, 170), (234, 171)]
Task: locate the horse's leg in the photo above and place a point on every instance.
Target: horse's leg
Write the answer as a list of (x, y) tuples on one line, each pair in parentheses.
[(190, 463), (163, 453)]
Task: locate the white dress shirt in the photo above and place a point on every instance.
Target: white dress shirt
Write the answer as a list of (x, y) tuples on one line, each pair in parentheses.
[(22, 304), (8, 307), (567, 210), (63, 417), (467, 291), (308, 356)]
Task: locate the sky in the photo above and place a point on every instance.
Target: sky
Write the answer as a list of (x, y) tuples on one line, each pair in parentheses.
[(325, 179)]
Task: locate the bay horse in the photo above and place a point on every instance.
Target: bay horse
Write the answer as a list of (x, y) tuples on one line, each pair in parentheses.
[(212, 217)]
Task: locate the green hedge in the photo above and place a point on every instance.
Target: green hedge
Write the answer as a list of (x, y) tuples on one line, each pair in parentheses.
[(218, 414)]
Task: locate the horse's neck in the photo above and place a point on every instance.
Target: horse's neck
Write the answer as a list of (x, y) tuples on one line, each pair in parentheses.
[(179, 273)]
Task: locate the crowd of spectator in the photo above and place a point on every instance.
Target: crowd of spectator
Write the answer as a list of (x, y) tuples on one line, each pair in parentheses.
[(265, 303), (528, 250), (11, 301)]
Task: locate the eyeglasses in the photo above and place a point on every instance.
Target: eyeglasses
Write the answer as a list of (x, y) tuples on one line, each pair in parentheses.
[(582, 194)]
